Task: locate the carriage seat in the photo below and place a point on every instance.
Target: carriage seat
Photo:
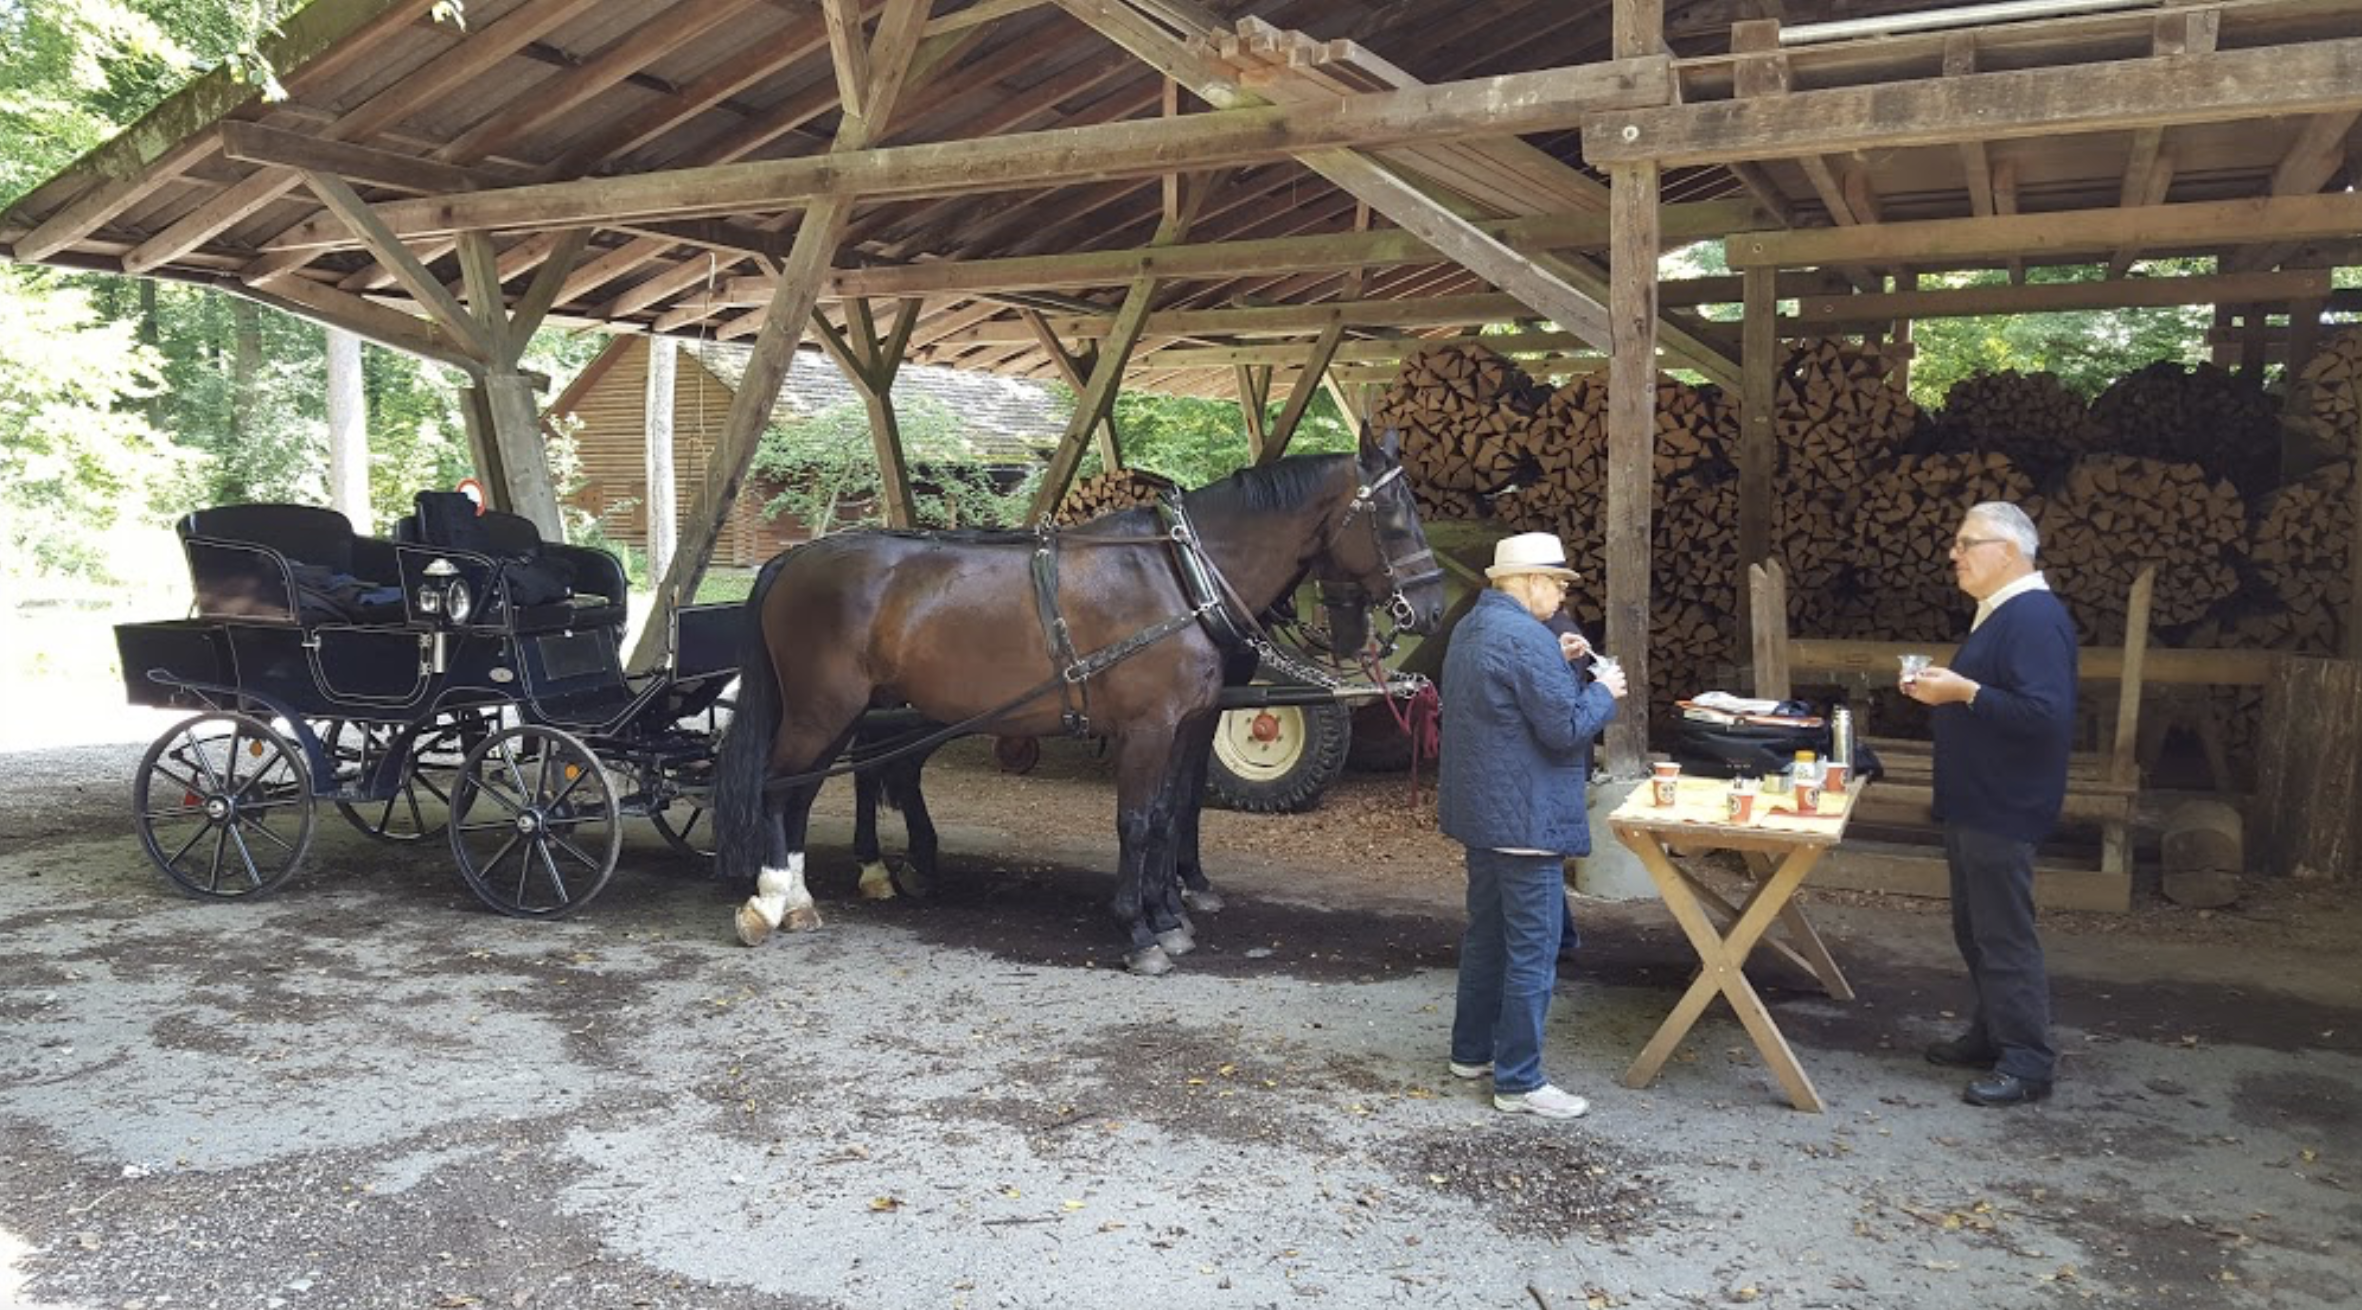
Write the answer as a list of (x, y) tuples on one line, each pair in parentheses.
[(550, 585), (296, 563)]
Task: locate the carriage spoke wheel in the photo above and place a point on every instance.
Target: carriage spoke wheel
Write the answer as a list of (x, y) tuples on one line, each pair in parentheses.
[(534, 823), (223, 804), (420, 807), (687, 823), (688, 826)]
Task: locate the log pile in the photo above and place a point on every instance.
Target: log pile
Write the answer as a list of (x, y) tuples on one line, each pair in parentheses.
[(2302, 538), (2204, 415), (1462, 412), (1902, 526), (2326, 401), (1838, 413), (2031, 418), (2111, 515), (1108, 492)]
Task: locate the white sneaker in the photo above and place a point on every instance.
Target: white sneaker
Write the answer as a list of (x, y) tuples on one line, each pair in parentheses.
[(1460, 1070), (1547, 1101)]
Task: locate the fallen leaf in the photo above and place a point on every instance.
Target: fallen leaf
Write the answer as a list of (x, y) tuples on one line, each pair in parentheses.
[(885, 1203)]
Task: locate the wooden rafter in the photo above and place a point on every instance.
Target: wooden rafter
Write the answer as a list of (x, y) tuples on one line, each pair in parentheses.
[(1940, 243)]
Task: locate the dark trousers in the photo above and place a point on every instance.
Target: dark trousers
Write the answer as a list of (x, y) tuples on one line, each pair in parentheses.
[(1993, 922)]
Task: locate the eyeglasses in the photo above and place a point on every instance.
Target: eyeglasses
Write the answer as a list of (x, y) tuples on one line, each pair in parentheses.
[(1963, 545)]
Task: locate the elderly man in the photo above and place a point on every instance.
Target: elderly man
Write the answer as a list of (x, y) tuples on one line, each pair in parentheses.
[(1516, 727), (2004, 722)]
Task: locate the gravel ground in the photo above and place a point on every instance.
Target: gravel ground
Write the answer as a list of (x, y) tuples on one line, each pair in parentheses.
[(366, 1091)]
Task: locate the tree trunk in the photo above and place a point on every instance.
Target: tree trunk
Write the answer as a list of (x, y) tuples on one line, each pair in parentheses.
[(661, 510), (348, 431)]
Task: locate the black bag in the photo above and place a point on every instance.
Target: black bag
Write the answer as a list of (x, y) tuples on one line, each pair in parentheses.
[(1731, 750)]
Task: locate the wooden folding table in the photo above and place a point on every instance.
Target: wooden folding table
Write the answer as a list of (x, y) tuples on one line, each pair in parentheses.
[(1779, 849)]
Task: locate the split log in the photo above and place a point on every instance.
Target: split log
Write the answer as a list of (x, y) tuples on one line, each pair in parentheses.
[(1109, 492), (2030, 418), (2112, 515), (2204, 415)]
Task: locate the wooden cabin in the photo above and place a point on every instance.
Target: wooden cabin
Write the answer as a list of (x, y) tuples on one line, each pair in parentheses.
[(1008, 424)]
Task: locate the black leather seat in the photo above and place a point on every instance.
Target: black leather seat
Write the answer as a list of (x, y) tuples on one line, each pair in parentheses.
[(300, 563), (550, 585)]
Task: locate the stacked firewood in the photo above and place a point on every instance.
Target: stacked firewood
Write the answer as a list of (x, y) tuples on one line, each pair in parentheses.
[(2208, 416), (1902, 525), (2325, 404), (1462, 412), (1108, 492), (1838, 413), (2029, 417), (2112, 515), (2303, 536)]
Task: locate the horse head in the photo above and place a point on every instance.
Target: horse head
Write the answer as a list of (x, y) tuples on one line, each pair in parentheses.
[(1378, 554)]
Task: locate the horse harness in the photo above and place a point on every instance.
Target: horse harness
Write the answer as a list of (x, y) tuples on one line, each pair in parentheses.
[(1212, 601)]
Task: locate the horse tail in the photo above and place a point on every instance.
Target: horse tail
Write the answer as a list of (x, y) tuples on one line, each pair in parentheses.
[(743, 764)]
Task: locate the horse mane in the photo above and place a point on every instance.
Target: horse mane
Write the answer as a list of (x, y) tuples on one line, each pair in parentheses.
[(1285, 485), (953, 536)]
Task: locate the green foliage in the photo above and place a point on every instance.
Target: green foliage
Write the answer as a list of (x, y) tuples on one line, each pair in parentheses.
[(76, 454), (827, 469), (2088, 350), (75, 73), (1194, 441)]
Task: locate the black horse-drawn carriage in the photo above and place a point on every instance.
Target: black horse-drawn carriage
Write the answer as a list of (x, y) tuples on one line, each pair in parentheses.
[(465, 677)]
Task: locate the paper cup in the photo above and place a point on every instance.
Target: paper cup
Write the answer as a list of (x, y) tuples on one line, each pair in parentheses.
[(1741, 804), (1833, 779), (1666, 784), (1808, 796)]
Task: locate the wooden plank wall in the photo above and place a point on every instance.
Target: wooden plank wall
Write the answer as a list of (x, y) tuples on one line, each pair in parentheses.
[(611, 444)]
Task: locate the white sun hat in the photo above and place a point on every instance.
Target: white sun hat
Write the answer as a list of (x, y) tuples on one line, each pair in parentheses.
[(1530, 552)]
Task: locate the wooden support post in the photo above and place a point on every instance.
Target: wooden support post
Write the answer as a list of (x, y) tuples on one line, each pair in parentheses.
[(1758, 450), (661, 510), (1097, 400), (524, 458), (785, 320), (1316, 368), (1905, 283), (1631, 448), (475, 411), (1254, 414), (2308, 786), (1076, 367)]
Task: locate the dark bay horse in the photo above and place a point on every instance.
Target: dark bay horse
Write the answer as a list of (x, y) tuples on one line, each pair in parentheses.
[(1126, 631)]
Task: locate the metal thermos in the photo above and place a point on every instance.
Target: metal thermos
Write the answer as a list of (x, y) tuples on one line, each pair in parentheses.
[(1841, 738)]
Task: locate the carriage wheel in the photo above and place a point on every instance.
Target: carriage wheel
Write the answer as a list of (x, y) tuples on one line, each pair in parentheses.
[(223, 804), (1277, 759), (534, 823), (688, 826), (420, 807)]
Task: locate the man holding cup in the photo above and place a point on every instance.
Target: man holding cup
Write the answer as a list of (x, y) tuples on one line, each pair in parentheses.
[(2004, 717), (1517, 723)]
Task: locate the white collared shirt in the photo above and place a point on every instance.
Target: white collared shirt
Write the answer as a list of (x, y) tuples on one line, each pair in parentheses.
[(1985, 607)]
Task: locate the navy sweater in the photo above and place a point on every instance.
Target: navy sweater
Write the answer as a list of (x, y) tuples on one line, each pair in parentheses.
[(1516, 722), (2001, 764)]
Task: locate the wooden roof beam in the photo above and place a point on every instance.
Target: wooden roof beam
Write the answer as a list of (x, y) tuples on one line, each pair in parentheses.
[(468, 59), (2057, 297), (1942, 243), (1514, 102), (315, 43), (2148, 171), (2223, 86), (2310, 163)]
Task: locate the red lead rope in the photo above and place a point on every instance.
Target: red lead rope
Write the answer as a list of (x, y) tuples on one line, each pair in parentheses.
[(1421, 720)]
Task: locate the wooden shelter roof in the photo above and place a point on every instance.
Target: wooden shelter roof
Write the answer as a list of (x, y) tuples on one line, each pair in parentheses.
[(716, 104)]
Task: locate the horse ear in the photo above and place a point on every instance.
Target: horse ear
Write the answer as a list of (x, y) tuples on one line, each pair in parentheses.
[(1386, 445)]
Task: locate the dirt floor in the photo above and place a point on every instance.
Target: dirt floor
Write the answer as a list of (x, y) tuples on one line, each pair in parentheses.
[(367, 1091)]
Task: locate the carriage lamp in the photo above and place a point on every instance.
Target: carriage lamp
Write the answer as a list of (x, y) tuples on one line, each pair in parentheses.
[(430, 595), (458, 602)]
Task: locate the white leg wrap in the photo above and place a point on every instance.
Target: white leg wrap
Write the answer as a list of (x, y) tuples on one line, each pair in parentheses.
[(779, 890)]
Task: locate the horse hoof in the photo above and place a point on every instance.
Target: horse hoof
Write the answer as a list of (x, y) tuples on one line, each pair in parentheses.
[(803, 918), (1149, 962), (911, 884), (1208, 901), (752, 926), (1176, 942), (876, 883)]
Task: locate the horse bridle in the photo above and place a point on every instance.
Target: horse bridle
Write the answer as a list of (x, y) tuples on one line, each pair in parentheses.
[(1397, 573)]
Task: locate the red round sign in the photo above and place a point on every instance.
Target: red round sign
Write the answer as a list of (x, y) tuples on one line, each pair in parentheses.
[(473, 490)]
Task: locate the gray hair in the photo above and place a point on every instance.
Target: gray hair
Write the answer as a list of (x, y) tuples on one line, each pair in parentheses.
[(2011, 523)]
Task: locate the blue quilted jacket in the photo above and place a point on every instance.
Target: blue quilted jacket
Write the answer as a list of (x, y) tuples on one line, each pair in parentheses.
[(1516, 722)]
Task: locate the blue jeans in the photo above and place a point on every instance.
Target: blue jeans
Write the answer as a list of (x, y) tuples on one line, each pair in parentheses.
[(1509, 964)]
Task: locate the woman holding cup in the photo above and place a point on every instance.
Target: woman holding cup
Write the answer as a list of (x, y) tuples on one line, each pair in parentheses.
[(1517, 723)]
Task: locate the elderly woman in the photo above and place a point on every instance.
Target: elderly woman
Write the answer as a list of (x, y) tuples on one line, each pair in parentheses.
[(1517, 724)]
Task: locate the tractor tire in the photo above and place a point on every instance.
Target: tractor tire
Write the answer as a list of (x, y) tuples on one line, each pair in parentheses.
[(1278, 760)]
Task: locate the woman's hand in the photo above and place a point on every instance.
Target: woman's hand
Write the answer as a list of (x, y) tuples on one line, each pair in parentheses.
[(1572, 645), (1613, 680)]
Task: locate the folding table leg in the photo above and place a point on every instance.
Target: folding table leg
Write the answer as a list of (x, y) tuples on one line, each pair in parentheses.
[(1805, 940)]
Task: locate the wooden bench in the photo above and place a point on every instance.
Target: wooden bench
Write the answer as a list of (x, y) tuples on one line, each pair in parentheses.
[(2103, 786)]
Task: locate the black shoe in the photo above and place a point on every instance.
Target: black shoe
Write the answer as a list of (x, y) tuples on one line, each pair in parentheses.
[(1962, 1053), (2006, 1089)]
